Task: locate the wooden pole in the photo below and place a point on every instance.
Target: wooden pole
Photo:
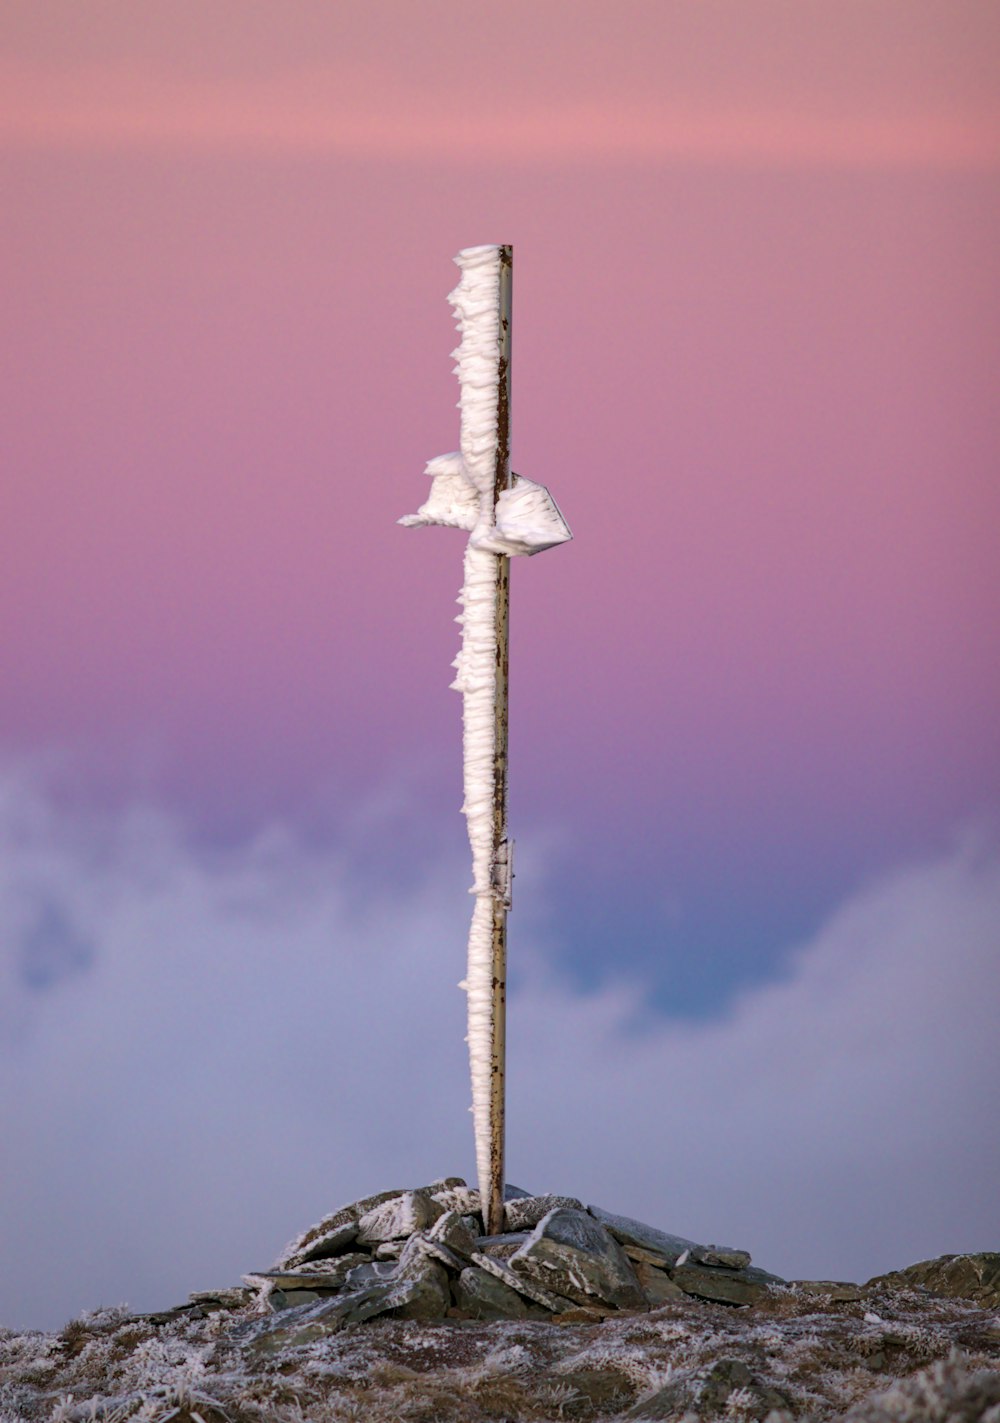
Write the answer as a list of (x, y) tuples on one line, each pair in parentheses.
[(493, 1209)]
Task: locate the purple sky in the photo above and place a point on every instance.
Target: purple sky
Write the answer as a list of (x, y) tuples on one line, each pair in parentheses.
[(755, 353)]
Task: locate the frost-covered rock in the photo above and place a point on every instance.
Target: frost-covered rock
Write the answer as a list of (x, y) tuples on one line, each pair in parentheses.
[(454, 1231), (524, 1212), (571, 1253), (723, 1286), (485, 1297), (974, 1276), (397, 1217)]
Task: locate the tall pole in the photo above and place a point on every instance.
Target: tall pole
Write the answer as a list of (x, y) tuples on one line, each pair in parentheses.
[(504, 515), (493, 1211)]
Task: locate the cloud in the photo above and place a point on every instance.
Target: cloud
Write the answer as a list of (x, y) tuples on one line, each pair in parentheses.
[(365, 113), (218, 1047)]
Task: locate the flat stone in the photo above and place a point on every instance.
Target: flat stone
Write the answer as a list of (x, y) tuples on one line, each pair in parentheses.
[(370, 1272), (570, 1253), (433, 1295), (389, 1250), (524, 1212), (523, 1286), (291, 1299), (721, 1286), (657, 1285), (463, 1199), (972, 1276), (721, 1255), (482, 1296), (502, 1247), (399, 1216), (839, 1291), (668, 1248), (424, 1247), (452, 1230), (311, 1244), (323, 1275), (332, 1242), (232, 1298), (445, 1183)]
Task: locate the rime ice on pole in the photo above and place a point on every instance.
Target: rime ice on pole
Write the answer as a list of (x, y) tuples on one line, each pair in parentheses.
[(519, 519)]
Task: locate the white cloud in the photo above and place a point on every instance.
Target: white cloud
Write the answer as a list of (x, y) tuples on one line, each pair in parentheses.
[(218, 1047)]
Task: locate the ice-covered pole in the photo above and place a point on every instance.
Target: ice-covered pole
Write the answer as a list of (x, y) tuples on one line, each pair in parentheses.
[(505, 515)]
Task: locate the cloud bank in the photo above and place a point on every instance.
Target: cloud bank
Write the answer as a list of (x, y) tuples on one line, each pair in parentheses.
[(202, 1051)]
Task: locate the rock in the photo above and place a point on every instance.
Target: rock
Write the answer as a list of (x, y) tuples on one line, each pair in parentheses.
[(462, 1199), (721, 1286), (325, 1275), (389, 1250), (426, 1248), (721, 1255), (668, 1248), (310, 1245), (502, 1247), (291, 1299), (583, 1314), (838, 1291), (370, 1272), (452, 1230), (399, 1216), (524, 1212), (570, 1253), (483, 1296), (704, 1393), (520, 1284), (332, 1242), (210, 1300), (973, 1276), (656, 1285), (433, 1295)]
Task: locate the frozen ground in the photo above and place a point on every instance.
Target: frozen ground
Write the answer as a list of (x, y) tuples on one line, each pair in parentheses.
[(878, 1354)]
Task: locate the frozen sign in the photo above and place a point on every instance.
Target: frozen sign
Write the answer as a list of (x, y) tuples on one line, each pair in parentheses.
[(504, 515)]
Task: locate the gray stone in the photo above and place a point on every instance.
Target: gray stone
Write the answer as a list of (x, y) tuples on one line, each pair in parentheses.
[(424, 1247), (463, 1199), (389, 1250), (838, 1291), (399, 1216), (334, 1241), (657, 1285), (485, 1297), (973, 1276), (721, 1286), (667, 1248), (451, 1230), (524, 1212), (324, 1275), (291, 1299), (370, 1272), (502, 1247), (721, 1255), (433, 1296), (523, 1286), (570, 1253), (312, 1243)]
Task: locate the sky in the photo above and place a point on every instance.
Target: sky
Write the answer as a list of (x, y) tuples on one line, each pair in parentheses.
[(754, 769)]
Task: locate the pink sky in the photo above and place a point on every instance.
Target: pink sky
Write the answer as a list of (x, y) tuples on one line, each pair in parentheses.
[(755, 354)]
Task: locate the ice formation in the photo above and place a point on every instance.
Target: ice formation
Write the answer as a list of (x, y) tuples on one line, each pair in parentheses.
[(524, 520)]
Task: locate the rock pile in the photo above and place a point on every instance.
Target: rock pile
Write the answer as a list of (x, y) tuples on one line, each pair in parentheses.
[(423, 1254)]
